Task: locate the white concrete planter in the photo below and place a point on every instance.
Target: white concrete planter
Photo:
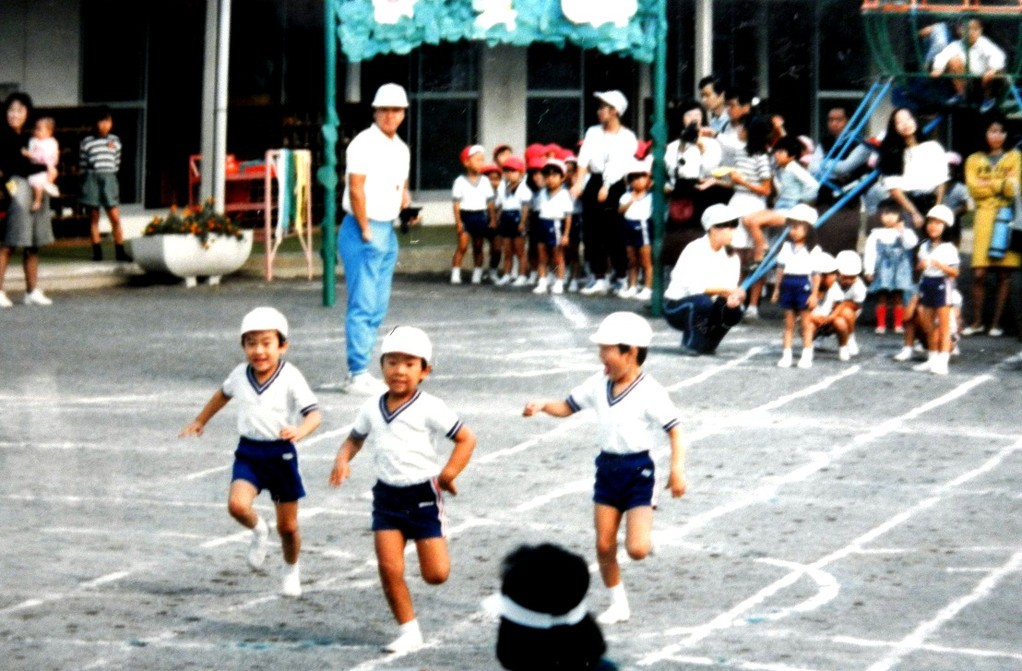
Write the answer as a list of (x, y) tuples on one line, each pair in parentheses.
[(185, 256)]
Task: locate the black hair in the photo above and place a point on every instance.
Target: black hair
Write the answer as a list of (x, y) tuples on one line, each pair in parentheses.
[(20, 97), (812, 239), (552, 168), (281, 338), (791, 145), (891, 205), (892, 147), (101, 113), (689, 104), (757, 129), (640, 352), (743, 96), (987, 120), (716, 81), (425, 364), (949, 234)]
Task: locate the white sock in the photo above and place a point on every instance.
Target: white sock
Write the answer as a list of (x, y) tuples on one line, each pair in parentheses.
[(617, 594), (410, 627)]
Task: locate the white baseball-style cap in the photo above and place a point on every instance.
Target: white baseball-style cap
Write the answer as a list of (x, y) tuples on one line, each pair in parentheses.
[(615, 99), (390, 95), (716, 214), (943, 213), (803, 212), (849, 263), (264, 319), (623, 328), (824, 263), (641, 166), (407, 340)]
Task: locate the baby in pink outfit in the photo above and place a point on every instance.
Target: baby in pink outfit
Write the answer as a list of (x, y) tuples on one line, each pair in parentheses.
[(43, 149)]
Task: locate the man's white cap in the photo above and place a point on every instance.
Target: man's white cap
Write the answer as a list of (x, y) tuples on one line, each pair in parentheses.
[(390, 95), (264, 319), (718, 213), (615, 99), (942, 212), (408, 340), (849, 263), (824, 263), (803, 212), (623, 328)]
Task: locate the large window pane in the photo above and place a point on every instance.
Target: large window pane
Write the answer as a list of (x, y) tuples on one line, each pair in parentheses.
[(553, 120), (448, 68), (113, 51), (552, 68), (444, 127)]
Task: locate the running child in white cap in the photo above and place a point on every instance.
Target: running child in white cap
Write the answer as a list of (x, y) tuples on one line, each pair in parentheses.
[(399, 427), (276, 409), (630, 406)]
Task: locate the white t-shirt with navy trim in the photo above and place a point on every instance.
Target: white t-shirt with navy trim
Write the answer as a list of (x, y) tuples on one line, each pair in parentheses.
[(641, 209), (265, 409), (403, 441), (944, 252), (797, 259), (556, 207), (473, 197), (629, 420), (516, 198)]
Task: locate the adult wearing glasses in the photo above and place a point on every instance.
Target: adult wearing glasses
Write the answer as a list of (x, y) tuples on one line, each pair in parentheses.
[(703, 298)]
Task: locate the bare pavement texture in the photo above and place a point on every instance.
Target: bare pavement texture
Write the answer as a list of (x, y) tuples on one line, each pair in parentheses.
[(853, 516)]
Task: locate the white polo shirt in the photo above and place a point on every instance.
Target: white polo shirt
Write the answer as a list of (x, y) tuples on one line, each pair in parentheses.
[(641, 209), (556, 207), (699, 268), (982, 56), (797, 260), (473, 196), (385, 163), (945, 252), (608, 154), (629, 421), (402, 441), (514, 199), (265, 409)]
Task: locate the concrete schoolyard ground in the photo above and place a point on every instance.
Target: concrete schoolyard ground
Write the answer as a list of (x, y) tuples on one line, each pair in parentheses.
[(851, 517)]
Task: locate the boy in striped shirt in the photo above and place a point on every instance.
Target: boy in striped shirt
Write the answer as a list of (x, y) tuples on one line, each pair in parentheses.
[(99, 160)]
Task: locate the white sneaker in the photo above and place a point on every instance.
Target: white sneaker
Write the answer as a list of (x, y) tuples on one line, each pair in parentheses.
[(5, 302), (972, 330), (51, 189), (520, 281), (843, 354), (853, 346), (502, 280), (37, 297), (627, 292), (364, 383), (260, 543), (995, 332), (540, 287), (618, 612), (880, 330), (573, 286), (455, 275), (292, 582), (786, 359), (409, 641), (477, 276), (752, 312), (926, 366), (600, 287), (643, 294), (939, 364), (533, 278), (806, 360), (557, 287), (904, 354)]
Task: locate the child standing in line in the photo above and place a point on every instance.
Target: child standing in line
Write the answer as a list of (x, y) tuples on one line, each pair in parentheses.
[(887, 263), (99, 160), (842, 301), (494, 173), (553, 207), (513, 199), (630, 405), (536, 183), (276, 410), (938, 262), (637, 207), (797, 284), (400, 427), (43, 149), (475, 216)]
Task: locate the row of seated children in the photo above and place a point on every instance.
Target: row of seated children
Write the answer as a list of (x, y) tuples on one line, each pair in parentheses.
[(524, 210)]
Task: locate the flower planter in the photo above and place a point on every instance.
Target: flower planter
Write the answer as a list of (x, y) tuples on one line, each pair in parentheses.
[(184, 255)]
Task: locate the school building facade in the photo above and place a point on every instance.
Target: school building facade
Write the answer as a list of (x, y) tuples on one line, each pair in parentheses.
[(145, 61)]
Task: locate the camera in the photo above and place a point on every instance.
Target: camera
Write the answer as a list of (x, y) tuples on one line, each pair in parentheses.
[(690, 133)]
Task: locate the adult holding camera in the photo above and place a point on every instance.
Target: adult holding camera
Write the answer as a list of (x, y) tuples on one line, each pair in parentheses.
[(376, 190)]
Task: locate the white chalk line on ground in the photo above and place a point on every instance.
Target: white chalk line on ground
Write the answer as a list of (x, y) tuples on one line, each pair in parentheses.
[(83, 586), (729, 618)]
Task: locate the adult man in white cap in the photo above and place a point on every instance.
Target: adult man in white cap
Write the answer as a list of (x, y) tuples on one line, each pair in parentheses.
[(607, 151), (376, 189), (703, 298)]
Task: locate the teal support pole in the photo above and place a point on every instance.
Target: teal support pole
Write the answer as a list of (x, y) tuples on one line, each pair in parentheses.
[(659, 133), (327, 173)]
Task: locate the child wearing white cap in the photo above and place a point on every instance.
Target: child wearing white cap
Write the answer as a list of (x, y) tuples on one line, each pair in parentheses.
[(938, 261), (475, 213), (399, 427), (798, 282), (276, 409), (636, 205), (630, 407)]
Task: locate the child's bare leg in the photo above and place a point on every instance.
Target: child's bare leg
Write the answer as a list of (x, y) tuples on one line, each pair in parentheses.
[(94, 225), (633, 266), (434, 561), (638, 524), (541, 259), (559, 261), (459, 251), (789, 328), (754, 224), (37, 198), (114, 215), (841, 328), (806, 319), (477, 252), (1001, 297), (239, 503), (287, 527), (646, 261), (519, 246), (390, 559), (943, 329), (607, 520)]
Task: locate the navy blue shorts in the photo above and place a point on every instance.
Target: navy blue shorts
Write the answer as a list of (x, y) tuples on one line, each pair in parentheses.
[(417, 511), (509, 224), (795, 290), (624, 481), (935, 292), (271, 465), (477, 224), (636, 232), (549, 231)]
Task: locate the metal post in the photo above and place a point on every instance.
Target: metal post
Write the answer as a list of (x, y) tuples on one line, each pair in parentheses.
[(220, 113), (659, 134), (327, 174)]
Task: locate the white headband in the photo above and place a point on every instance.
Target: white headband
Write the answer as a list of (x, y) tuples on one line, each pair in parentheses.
[(503, 606)]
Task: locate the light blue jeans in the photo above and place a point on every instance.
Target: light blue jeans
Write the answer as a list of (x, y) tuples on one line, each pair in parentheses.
[(368, 272)]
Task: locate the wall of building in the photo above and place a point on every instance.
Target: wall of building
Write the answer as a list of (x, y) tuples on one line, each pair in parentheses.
[(40, 47)]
